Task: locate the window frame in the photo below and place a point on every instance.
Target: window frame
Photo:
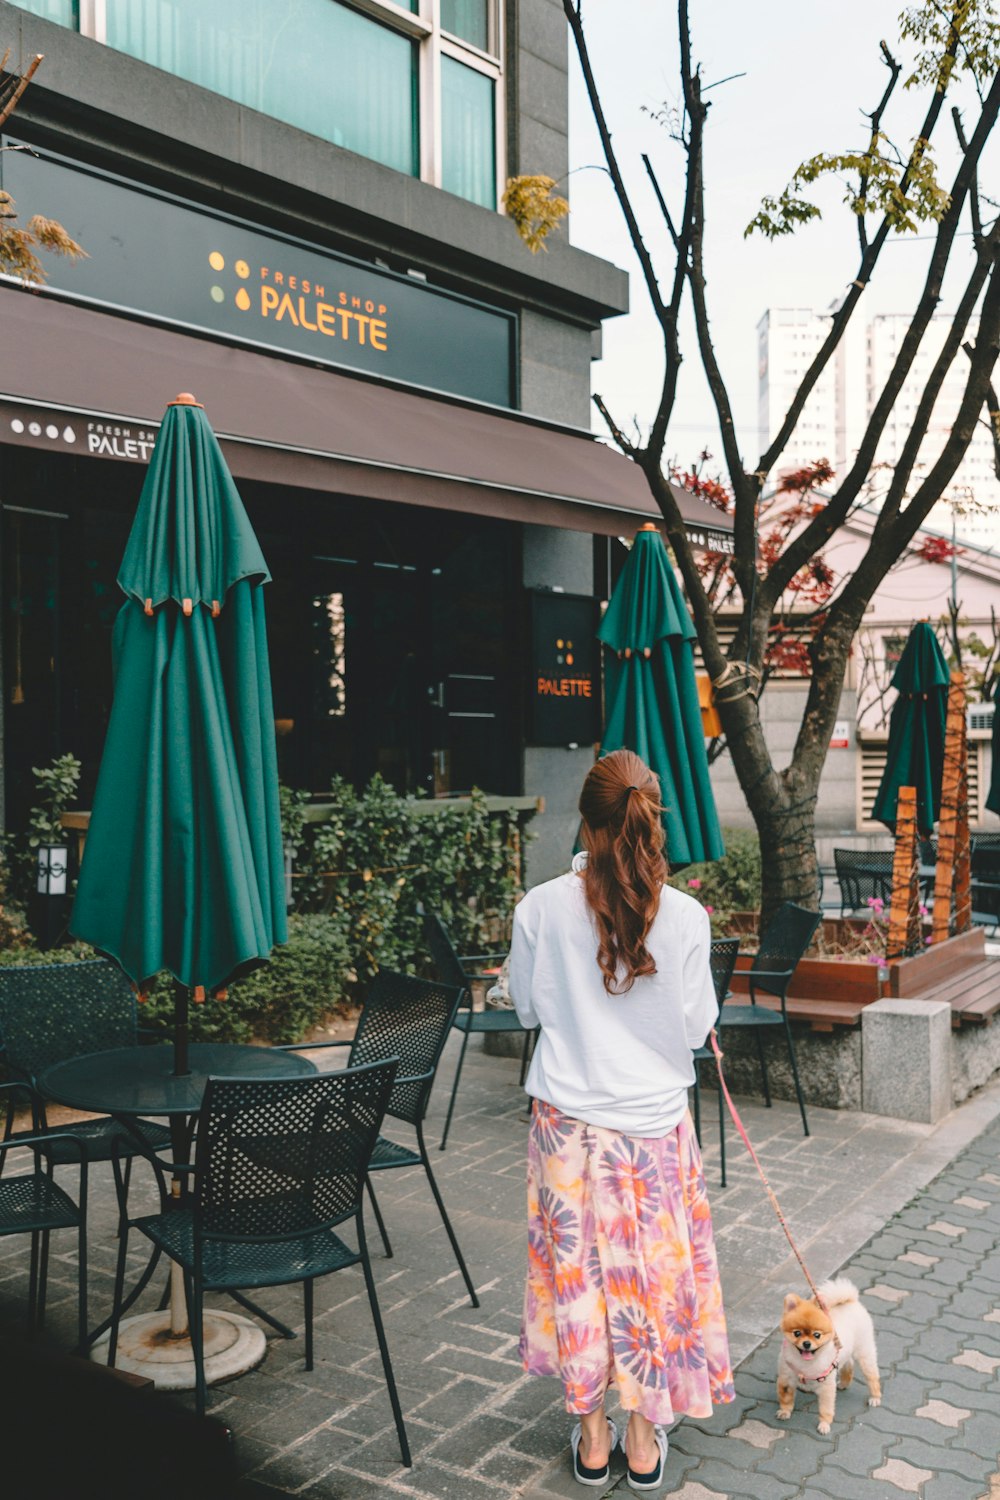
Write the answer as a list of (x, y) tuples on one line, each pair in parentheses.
[(422, 26)]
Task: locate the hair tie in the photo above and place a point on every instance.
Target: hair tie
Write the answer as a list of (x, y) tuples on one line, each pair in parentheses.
[(630, 789)]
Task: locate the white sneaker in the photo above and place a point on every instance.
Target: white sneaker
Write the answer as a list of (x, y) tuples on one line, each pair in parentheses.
[(581, 1473), (653, 1478)]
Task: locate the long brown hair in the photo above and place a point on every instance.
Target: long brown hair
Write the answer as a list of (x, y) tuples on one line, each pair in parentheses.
[(622, 833)]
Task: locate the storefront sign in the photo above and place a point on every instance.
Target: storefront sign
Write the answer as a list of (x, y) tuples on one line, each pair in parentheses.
[(167, 260), (564, 705), (30, 426)]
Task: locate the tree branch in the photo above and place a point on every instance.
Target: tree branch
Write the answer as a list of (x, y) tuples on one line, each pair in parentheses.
[(821, 528), (875, 117), (10, 104), (627, 447), (842, 316)]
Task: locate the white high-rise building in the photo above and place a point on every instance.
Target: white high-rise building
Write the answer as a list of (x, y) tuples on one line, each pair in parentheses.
[(788, 340), (835, 415), (974, 492)]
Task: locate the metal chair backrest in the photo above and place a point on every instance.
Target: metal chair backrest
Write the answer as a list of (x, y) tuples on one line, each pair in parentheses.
[(410, 1019), (722, 961), (447, 964), (782, 944), (927, 850), (282, 1158), (863, 874), (50, 1012)]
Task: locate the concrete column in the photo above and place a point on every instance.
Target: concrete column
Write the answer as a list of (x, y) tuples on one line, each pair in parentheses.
[(906, 1059)]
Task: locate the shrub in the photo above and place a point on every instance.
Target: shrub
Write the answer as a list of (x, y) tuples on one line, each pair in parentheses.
[(55, 788), (375, 861), (304, 981), (728, 884), (360, 879)]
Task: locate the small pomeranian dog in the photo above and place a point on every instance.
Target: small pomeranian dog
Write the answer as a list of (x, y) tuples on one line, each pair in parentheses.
[(809, 1358)]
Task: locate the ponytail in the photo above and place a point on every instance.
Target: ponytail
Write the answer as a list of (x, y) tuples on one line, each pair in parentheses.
[(622, 832)]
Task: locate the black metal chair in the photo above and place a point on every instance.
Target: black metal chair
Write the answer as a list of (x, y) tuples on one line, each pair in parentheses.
[(722, 961), (985, 883), (452, 968), (279, 1165), (33, 1203), (782, 944), (863, 875), (410, 1019), (51, 1012)]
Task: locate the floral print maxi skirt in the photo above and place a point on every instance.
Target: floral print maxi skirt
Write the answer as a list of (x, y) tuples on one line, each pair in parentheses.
[(623, 1282)]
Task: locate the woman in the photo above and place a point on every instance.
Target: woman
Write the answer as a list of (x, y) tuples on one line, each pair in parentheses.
[(613, 965)]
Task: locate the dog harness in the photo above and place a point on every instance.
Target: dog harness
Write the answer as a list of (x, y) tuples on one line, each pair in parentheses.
[(815, 1379)]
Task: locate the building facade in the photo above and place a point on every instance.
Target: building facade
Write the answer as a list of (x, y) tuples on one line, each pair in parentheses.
[(294, 212)]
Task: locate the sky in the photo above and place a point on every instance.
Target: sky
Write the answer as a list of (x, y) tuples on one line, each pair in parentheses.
[(810, 72)]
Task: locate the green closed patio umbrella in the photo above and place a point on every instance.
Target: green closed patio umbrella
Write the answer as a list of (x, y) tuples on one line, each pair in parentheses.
[(652, 696), (183, 868), (915, 753)]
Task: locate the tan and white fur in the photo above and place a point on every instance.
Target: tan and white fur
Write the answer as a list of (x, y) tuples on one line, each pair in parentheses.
[(809, 1358)]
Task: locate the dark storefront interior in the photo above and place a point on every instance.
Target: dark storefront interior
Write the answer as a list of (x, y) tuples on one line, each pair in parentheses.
[(394, 631)]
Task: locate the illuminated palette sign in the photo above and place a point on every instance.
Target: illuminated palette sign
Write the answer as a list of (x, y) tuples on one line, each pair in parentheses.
[(564, 694), (165, 259)]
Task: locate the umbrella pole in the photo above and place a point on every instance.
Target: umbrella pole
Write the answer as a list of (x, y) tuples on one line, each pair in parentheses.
[(181, 1067)]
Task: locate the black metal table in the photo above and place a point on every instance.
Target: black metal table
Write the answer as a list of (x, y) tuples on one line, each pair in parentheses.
[(136, 1082), (133, 1081)]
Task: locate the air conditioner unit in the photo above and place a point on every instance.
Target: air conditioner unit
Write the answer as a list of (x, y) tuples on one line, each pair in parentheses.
[(979, 720)]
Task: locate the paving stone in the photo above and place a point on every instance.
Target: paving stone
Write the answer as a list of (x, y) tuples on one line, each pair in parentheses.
[(944, 1457), (903, 1475), (976, 1360), (919, 1259), (505, 1469), (469, 1444), (943, 1413), (942, 1226), (755, 1433), (428, 1479), (886, 1293), (694, 1491), (974, 1203)]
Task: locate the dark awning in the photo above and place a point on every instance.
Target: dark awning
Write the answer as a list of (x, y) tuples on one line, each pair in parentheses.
[(87, 382)]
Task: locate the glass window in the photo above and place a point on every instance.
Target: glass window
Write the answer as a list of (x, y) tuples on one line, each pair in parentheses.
[(63, 12), (468, 135), (316, 64), (468, 19)]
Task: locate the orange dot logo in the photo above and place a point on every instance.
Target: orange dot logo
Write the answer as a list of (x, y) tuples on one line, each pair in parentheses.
[(242, 269), (217, 261), (242, 299)]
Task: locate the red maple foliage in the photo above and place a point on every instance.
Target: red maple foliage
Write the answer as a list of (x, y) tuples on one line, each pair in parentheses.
[(937, 549), (812, 586)]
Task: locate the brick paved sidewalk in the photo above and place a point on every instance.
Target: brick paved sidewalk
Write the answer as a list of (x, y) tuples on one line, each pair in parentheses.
[(481, 1430), (931, 1279)]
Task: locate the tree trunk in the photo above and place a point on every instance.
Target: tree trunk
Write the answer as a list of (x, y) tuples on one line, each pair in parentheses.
[(782, 805)]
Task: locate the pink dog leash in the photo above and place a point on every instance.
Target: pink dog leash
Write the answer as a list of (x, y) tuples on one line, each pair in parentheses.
[(741, 1129)]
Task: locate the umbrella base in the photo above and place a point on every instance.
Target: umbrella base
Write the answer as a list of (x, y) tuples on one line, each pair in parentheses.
[(146, 1346)]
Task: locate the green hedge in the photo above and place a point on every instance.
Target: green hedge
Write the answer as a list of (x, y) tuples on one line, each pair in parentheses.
[(359, 879)]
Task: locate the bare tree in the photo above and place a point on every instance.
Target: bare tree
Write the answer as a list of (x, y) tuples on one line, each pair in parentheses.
[(890, 191)]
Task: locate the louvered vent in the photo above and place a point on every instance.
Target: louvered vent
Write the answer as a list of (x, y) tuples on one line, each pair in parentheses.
[(871, 763), (979, 718)]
